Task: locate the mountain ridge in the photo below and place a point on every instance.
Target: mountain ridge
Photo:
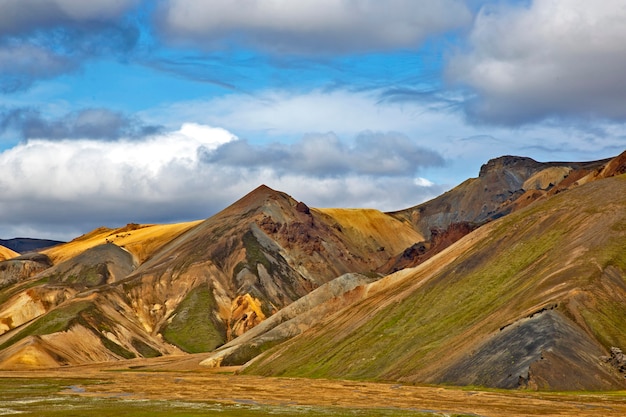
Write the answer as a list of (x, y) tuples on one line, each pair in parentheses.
[(453, 337), (267, 271)]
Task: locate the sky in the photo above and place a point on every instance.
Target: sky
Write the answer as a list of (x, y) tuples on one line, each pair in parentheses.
[(119, 111)]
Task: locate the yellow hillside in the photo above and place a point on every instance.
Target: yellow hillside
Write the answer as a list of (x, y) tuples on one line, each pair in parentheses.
[(542, 179), (376, 225), (6, 253), (140, 240)]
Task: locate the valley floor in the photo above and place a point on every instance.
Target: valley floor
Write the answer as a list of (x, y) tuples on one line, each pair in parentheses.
[(141, 387)]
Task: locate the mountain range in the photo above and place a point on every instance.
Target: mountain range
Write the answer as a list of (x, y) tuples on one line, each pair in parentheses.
[(515, 278)]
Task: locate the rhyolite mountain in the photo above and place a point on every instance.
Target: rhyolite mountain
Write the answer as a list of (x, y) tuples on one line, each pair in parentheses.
[(503, 185), (150, 290), (535, 299), (500, 282)]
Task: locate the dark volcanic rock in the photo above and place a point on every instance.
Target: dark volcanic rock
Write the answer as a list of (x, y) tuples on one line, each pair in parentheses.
[(544, 351), (303, 208), (421, 251)]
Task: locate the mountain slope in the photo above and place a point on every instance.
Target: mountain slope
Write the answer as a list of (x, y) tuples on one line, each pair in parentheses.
[(140, 240), (156, 289), (6, 253), (533, 299), (503, 184), (259, 255)]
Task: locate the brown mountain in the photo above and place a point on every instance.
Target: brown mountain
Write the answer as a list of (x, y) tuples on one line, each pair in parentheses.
[(503, 186), (535, 299), (498, 268), (153, 290)]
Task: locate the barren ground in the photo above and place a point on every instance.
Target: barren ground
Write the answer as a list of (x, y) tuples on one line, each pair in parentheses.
[(177, 380)]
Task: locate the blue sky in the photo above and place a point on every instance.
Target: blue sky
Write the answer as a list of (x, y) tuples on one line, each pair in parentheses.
[(163, 111)]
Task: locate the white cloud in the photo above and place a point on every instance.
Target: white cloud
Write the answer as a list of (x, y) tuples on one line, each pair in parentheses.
[(552, 58), (72, 169), (63, 188), (311, 26), (423, 182)]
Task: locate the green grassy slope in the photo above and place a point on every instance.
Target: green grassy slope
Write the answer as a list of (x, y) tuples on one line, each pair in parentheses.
[(566, 253)]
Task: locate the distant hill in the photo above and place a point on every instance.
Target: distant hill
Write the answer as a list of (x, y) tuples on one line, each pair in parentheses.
[(24, 244)]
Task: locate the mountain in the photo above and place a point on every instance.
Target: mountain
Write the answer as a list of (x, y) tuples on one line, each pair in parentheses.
[(503, 186), (149, 290), (535, 299), (25, 244), (524, 289)]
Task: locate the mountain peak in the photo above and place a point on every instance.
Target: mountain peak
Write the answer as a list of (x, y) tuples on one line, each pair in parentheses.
[(508, 161), (263, 189), (257, 198), (262, 192)]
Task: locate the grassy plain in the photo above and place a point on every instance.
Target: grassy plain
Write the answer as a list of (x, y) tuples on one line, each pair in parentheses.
[(168, 387)]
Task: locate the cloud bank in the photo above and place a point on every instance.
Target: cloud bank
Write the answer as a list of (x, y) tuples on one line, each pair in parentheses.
[(57, 188), (545, 59), (309, 26)]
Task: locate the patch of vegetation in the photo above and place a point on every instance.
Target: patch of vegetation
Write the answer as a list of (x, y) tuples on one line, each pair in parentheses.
[(15, 288), (49, 397), (246, 352), (144, 349), (90, 276), (255, 254), (193, 327), (117, 349), (606, 320), (57, 320)]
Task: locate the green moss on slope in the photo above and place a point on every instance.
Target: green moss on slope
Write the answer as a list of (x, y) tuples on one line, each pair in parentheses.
[(528, 259), (193, 327), (57, 320)]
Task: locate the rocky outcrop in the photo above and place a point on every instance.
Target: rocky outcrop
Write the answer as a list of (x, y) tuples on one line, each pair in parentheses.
[(535, 353), (617, 360), (22, 268), (502, 186), (421, 251)]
